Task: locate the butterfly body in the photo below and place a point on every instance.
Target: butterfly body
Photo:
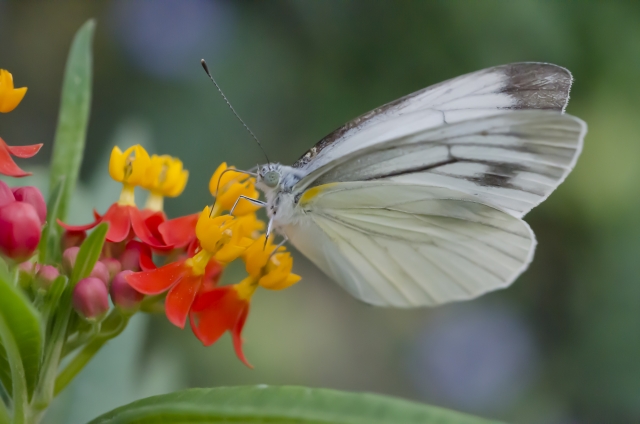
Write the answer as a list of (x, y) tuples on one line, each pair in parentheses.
[(419, 202)]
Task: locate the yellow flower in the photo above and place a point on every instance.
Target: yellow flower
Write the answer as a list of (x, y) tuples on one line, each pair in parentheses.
[(250, 226), (10, 97), (220, 236), (227, 187), (270, 270), (277, 273), (165, 177), (129, 167)]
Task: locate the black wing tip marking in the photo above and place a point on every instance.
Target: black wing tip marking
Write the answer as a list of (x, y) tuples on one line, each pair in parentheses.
[(538, 85)]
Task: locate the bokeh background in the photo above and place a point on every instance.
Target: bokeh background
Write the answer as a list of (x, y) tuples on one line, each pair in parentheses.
[(562, 345)]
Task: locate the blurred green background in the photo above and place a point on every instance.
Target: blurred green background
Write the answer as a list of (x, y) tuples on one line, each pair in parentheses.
[(562, 345)]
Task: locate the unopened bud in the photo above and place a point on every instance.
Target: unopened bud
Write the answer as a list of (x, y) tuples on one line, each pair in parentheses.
[(32, 196), (91, 298), (123, 295), (20, 230), (100, 271), (6, 195), (130, 258), (69, 259), (46, 275), (113, 266), (72, 239)]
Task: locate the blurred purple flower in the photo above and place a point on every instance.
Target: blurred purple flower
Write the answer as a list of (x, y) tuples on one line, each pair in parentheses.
[(475, 357), (167, 38)]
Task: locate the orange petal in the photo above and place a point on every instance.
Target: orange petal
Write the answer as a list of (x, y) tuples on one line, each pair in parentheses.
[(216, 311), (158, 280), (236, 335), (141, 230), (180, 299), (24, 152), (119, 220), (179, 232), (7, 165)]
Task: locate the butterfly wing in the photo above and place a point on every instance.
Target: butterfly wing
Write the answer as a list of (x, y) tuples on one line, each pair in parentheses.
[(512, 161), (405, 245), (514, 86)]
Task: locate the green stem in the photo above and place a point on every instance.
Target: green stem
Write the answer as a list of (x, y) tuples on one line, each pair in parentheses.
[(112, 326), (19, 382), (43, 394), (4, 414)]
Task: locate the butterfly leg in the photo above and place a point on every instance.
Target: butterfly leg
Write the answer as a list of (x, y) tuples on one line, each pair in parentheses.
[(269, 228), (284, 240), (254, 201)]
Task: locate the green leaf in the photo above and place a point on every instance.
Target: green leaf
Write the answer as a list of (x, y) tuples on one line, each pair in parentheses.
[(49, 247), (89, 253), (73, 117), (22, 323), (282, 405)]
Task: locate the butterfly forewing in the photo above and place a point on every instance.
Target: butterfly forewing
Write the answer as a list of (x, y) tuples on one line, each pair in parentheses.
[(515, 86)]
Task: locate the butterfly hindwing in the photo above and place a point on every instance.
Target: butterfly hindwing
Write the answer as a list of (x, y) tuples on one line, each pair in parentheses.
[(403, 245)]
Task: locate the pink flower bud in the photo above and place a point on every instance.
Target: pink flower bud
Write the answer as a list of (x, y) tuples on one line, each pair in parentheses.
[(130, 258), (6, 195), (100, 271), (123, 295), (113, 266), (69, 259), (32, 196), (20, 229), (72, 239), (46, 275), (91, 298)]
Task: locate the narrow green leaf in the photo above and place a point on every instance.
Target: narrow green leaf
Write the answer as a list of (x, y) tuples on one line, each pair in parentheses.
[(49, 247), (89, 253), (23, 323), (282, 405), (73, 117)]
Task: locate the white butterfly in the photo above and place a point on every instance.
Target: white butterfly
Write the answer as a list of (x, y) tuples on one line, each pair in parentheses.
[(419, 202)]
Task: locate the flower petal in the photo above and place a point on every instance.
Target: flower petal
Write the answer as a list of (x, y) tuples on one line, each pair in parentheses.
[(159, 280), (24, 152), (180, 299), (236, 335), (119, 221), (179, 232), (78, 227), (214, 312), (141, 230), (7, 165)]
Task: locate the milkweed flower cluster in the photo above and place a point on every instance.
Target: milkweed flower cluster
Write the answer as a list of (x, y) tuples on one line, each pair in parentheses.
[(22, 209), (192, 250)]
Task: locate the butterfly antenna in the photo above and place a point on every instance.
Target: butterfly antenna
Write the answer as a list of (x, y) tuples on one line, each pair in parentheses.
[(206, 69)]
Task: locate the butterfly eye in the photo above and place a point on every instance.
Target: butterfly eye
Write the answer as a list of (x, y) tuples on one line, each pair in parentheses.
[(271, 178)]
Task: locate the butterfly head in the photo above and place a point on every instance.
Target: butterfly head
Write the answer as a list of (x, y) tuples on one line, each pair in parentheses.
[(269, 176)]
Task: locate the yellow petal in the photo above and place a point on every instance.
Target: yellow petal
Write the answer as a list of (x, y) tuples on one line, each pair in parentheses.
[(10, 97), (116, 164), (229, 252)]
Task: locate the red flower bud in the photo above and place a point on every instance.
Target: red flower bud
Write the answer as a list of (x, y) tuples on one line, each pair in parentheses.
[(20, 229), (46, 275), (32, 196), (130, 259), (91, 298), (69, 259), (72, 238), (101, 272), (123, 295), (6, 195), (113, 266)]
